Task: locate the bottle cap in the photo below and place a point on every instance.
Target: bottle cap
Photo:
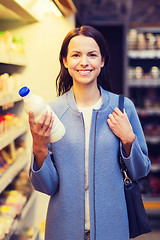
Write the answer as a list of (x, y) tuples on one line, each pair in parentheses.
[(24, 91)]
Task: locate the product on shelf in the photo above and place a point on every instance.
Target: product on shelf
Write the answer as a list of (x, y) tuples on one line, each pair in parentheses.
[(9, 86), (138, 73), (155, 72), (5, 225), (6, 122), (154, 181), (17, 45), (152, 129), (10, 43), (8, 155), (10, 121), (2, 124), (155, 160), (42, 230), (13, 199), (3, 165), (151, 41), (23, 184), (132, 39), (6, 39), (143, 41), (12, 202), (28, 234), (10, 83)]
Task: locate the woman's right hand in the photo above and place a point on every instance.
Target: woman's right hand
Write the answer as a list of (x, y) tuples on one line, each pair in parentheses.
[(41, 135)]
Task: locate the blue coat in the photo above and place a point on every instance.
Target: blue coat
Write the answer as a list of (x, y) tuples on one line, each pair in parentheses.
[(62, 175)]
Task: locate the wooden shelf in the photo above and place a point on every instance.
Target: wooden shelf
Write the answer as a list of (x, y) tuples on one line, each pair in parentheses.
[(13, 59), (11, 134), (153, 139), (17, 220), (148, 112), (22, 12), (155, 167), (144, 82), (144, 54), (13, 170), (8, 98)]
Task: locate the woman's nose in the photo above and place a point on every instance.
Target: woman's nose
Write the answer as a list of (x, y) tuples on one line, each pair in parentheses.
[(84, 61)]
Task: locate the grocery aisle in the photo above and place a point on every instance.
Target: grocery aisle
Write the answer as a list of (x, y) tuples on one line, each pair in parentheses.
[(23, 64)]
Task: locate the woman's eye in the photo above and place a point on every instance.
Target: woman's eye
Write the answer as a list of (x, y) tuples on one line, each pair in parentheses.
[(93, 55), (75, 55)]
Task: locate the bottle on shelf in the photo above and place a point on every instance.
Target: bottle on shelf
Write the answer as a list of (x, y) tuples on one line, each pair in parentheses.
[(38, 106)]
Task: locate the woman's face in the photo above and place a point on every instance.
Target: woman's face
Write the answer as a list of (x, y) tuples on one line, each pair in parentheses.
[(84, 60)]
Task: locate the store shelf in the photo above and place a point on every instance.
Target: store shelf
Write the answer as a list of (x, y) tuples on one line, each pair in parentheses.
[(15, 13), (23, 13), (12, 133), (35, 235), (28, 205), (153, 139), (144, 54), (148, 112), (12, 230), (144, 82), (152, 205), (13, 59), (13, 170), (143, 87), (23, 236), (19, 218), (8, 98), (155, 167)]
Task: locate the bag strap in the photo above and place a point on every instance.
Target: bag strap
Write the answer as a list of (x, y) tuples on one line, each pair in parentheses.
[(123, 167), (121, 102), (121, 106)]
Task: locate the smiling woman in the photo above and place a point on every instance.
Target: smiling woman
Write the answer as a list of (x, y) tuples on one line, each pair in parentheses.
[(86, 37), (84, 63), (80, 171)]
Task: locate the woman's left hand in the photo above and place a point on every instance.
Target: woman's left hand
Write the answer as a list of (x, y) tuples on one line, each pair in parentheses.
[(121, 127)]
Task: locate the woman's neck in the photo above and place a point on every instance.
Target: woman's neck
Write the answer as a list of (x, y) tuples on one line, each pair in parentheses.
[(86, 96)]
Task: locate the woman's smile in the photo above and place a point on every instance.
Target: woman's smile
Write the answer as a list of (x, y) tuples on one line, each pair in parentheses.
[(84, 72)]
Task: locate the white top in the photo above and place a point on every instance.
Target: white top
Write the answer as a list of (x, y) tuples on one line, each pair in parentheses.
[(87, 115)]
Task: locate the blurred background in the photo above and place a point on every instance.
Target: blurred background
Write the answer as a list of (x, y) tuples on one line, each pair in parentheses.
[(31, 34)]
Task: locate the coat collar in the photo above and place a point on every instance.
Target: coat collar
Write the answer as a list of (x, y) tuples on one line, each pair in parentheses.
[(72, 102)]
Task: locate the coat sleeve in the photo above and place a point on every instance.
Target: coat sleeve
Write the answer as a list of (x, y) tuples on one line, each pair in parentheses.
[(45, 179), (138, 163)]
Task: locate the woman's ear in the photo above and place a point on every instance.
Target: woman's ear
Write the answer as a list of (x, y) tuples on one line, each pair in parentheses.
[(65, 62), (102, 62)]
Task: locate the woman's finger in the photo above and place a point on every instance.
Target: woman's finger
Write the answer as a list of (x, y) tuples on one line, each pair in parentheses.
[(41, 121), (50, 125), (46, 124), (118, 111), (31, 119), (111, 117)]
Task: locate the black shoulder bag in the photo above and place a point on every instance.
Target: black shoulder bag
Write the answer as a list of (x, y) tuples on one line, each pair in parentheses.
[(137, 217)]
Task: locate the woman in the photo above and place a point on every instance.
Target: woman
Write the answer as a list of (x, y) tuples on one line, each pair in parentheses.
[(81, 172)]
